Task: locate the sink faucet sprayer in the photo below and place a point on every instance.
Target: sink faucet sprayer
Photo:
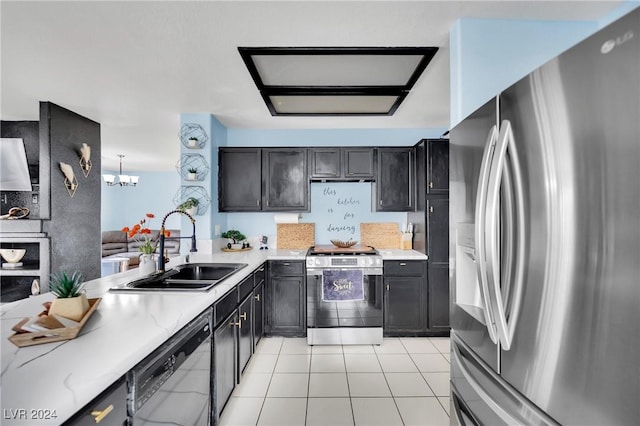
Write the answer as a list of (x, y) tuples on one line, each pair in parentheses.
[(161, 259)]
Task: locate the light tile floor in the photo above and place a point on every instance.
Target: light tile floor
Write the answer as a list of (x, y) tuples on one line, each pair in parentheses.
[(404, 381)]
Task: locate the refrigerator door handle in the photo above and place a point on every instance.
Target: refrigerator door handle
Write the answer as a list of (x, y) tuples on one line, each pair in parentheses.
[(461, 361), (505, 327), (480, 225)]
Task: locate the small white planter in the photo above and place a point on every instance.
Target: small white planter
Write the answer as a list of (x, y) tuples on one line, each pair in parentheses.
[(73, 308), (192, 176), (192, 211), (192, 143)]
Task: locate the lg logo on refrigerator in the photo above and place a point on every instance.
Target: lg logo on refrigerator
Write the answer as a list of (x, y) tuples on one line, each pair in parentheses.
[(609, 45)]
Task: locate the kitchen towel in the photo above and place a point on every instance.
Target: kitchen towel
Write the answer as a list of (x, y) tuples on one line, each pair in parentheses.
[(342, 285)]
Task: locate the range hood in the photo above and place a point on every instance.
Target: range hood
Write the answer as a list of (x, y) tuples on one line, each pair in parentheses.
[(14, 170)]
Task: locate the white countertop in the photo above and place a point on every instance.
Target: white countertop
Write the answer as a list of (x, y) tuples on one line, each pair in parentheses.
[(65, 376)]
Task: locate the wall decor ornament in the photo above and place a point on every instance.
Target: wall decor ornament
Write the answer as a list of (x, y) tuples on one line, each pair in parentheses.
[(187, 193), (85, 159), (193, 167), (193, 136), (70, 181)]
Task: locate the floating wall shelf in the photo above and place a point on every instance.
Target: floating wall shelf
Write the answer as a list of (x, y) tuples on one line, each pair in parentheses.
[(193, 161), (193, 191), (189, 131)]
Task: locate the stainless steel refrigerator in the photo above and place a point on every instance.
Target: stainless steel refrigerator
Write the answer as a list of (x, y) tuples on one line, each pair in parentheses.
[(545, 243)]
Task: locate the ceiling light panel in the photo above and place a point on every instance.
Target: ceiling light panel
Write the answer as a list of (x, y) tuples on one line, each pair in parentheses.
[(335, 80), (336, 70), (333, 104)]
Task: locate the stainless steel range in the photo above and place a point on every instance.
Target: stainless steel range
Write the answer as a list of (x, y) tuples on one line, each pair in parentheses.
[(344, 296)]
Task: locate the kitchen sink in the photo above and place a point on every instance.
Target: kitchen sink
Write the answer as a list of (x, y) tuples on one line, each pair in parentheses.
[(187, 277)]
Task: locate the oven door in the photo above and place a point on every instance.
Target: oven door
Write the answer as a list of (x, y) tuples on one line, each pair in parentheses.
[(355, 320)]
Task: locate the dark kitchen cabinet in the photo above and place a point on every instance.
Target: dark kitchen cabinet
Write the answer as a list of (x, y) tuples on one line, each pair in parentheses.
[(431, 224), (438, 298), (287, 297), (337, 163), (110, 407), (325, 163), (245, 337), (405, 298), (285, 179), (258, 313), (437, 215), (225, 361), (239, 179), (437, 176), (395, 179), (358, 163)]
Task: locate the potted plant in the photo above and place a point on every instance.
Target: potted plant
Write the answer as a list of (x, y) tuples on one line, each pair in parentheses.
[(189, 206), (147, 243), (192, 142), (192, 173), (70, 302), (235, 239)]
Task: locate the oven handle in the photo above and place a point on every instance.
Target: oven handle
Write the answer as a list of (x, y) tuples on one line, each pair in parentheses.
[(365, 271)]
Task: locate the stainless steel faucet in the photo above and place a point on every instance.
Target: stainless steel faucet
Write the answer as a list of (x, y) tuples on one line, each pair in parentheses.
[(161, 259)]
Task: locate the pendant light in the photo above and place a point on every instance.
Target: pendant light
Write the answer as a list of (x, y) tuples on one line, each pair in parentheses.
[(123, 180)]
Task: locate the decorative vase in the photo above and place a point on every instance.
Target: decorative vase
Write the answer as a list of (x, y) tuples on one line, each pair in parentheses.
[(73, 308), (147, 264), (192, 176), (192, 143)]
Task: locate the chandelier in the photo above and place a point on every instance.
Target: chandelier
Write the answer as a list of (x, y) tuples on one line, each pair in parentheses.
[(123, 180)]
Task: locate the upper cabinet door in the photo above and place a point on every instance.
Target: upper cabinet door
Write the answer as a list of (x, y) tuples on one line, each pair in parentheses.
[(437, 166), (286, 182), (325, 163), (239, 179), (394, 181), (358, 163)]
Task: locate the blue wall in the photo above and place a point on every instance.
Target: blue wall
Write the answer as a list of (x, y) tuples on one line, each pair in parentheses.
[(126, 206), (489, 55), (217, 133)]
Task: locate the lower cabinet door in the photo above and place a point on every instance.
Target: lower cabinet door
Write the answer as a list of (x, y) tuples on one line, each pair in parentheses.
[(438, 297), (404, 309), (224, 353), (110, 407), (258, 314), (245, 338), (287, 306)]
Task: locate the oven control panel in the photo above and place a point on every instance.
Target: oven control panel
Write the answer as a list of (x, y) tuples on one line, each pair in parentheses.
[(344, 261)]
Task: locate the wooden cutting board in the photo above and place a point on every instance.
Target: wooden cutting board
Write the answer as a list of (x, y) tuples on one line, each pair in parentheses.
[(380, 235), (296, 236)]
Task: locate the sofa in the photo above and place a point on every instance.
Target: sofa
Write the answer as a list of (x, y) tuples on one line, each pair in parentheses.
[(117, 244)]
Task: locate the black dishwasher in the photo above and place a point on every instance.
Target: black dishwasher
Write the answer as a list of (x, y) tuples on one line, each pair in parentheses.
[(173, 384)]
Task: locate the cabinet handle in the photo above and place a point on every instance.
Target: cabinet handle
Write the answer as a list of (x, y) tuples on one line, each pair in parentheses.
[(244, 316), (286, 264), (430, 209), (261, 270), (257, 297), (431, 185), (99, 415), (380, 202), (258, 202), (403, 264), (387, 287), (235, 324)]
